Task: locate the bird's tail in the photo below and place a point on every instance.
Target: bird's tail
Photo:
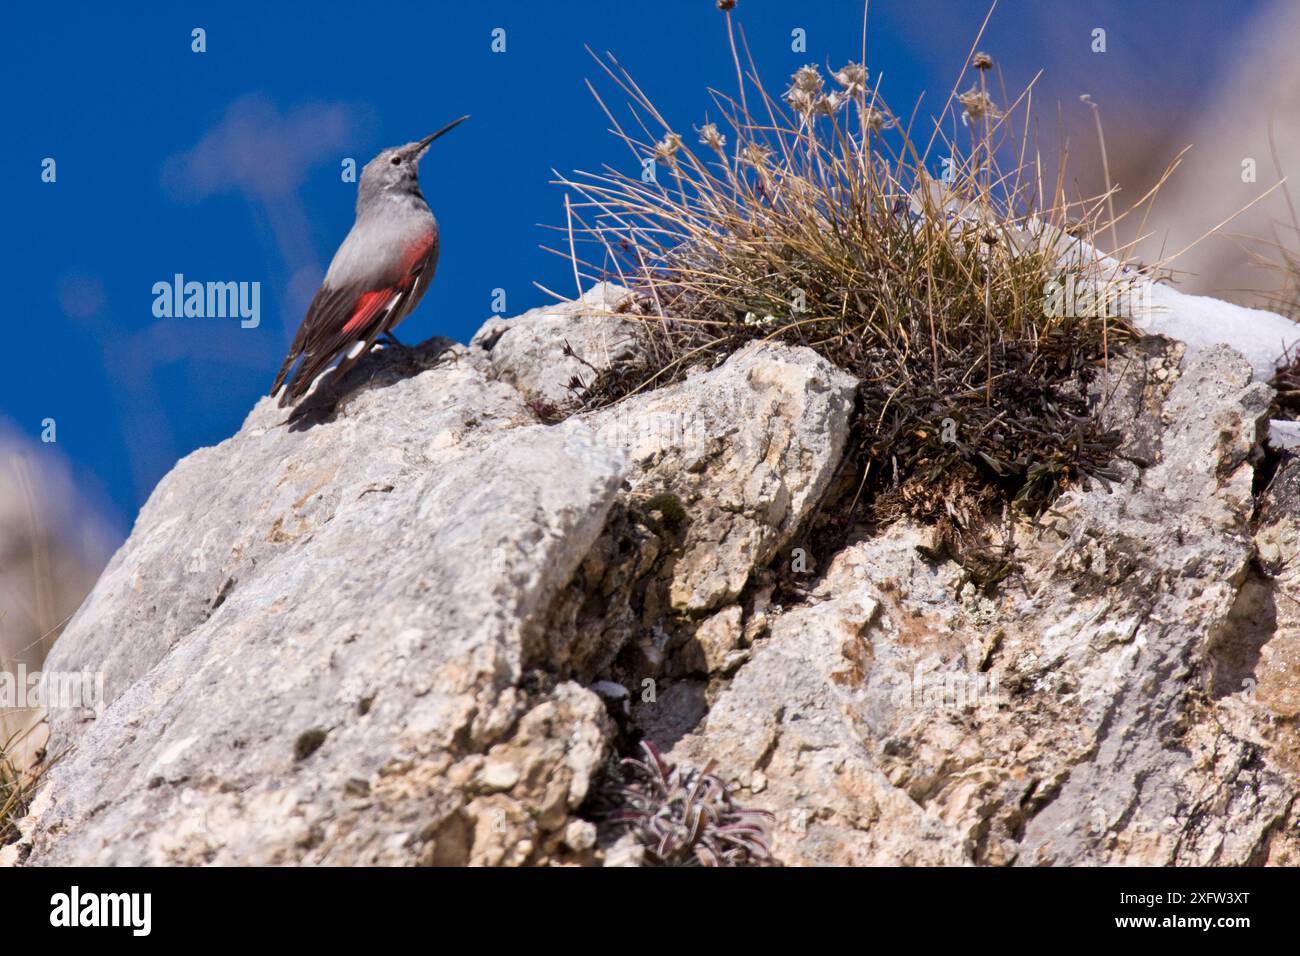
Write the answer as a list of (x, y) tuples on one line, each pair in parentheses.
[(279, 379)]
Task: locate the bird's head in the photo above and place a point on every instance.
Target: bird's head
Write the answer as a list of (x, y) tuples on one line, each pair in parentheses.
[(397, 168)]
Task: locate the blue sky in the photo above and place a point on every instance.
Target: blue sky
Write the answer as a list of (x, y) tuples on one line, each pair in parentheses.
[(225, 165)]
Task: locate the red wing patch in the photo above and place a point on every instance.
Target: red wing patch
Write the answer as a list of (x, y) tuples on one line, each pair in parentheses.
[(371, 304), (368, 306), (416, 253)]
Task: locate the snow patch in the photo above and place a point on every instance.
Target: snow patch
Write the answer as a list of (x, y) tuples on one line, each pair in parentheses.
[(1262, 337)]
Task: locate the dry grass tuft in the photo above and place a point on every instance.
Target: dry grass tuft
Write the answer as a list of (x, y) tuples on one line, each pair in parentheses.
[(17, 786), (814, 218)]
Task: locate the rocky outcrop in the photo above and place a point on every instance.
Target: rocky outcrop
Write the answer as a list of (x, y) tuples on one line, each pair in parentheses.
[(552, 353), (331, 643), (1103, 709), (724, 468), (422, 628), (313, 641)]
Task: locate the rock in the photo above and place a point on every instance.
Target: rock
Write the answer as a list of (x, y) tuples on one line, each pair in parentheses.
[(719, 639), (887, 722), (497, 775), (529, 351), (1284, 435), (423, 627), (330, 643), (781, 720), (267, 493), (1129, 653), (580, 836), (739, 456), (726, 467), (674, 709), (626, 852), (292, 613), (1259, 655)]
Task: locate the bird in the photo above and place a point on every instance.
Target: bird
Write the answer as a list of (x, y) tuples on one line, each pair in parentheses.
[(377, 276)]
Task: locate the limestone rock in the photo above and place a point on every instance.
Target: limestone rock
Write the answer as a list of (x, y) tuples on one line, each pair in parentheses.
[(529, 351), (422, 627), (330, 642), (746, 450), (311, 635), (1112, 709)]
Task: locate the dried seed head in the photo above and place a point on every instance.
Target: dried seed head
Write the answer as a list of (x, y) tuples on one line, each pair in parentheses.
[(982, 61), (977, 104), (853, 77), (725, 5), (874, 120), (667, 148), (808, 79), (801, 101), (828, 103), (755, 155), (710, 137)]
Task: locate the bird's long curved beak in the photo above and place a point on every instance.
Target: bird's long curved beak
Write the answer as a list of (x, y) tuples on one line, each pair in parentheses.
[(424, 143)]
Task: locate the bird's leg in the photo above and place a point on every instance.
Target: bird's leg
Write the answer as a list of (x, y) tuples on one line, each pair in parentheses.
[(388, 338)]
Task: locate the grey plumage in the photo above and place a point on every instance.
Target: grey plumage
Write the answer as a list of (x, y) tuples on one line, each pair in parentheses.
[(378, 274)]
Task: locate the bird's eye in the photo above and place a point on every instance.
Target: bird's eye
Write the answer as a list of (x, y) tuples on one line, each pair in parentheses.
[(396, 160)]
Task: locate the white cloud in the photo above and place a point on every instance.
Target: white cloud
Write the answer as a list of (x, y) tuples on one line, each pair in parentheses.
[(257, 150)]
